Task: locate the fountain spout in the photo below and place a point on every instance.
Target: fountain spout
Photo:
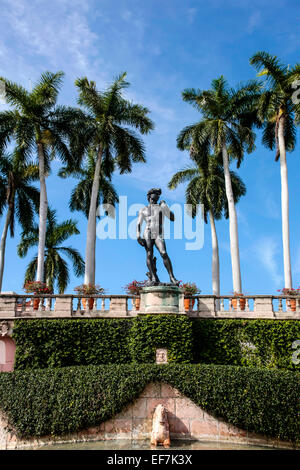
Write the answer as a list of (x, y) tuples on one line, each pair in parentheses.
[(160, 427)]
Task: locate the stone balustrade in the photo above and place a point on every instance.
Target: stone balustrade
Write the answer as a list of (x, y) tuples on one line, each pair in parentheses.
[(13, 305)]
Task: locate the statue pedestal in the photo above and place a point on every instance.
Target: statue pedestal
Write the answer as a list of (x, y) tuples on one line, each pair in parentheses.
[(162, 299)]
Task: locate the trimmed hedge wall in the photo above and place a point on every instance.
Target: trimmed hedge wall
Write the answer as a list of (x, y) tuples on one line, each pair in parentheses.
[(45, 343), (256, 343), (155, 331), (62, 400), (59, 342)]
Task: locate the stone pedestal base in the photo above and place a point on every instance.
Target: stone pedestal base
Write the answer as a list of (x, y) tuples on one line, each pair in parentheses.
[(162, 299)]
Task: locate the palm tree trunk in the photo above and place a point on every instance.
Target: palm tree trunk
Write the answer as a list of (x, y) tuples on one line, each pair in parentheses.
[(49, 300), (215, 256), (233, 226), (3, 244), (90, 250), (284, 207), (42, 215)]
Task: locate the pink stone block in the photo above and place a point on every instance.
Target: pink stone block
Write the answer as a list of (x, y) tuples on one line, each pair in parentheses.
[(207, 416), (152, 390), (179, 426), (118, 426), (185, 408), (109, 426), (201, 428), (227, 430), (96, 430), (11, 437), (169, 392), (7, 354), (141, 428), (139, 409), (123, 425), (152, 403), (125, 414)]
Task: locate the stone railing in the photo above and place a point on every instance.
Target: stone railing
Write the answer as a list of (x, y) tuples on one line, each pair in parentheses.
[(13, 305), (248, 306)]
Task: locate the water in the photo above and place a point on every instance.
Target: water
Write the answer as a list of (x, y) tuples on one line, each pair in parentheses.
[(145, 445)]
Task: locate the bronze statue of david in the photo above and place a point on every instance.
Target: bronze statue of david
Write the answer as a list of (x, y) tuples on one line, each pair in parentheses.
[(153, 215)]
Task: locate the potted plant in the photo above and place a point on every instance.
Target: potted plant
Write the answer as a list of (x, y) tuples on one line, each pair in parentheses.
[(291, 303), (36, 287), (189, 288), (89, 289), (234, 302), (134, 288)]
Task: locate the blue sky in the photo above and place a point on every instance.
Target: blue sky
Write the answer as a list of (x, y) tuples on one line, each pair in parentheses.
[(165, 46)]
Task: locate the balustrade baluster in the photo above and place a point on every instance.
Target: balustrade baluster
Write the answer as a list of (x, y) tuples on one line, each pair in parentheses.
[(41, 304), (48, 304)]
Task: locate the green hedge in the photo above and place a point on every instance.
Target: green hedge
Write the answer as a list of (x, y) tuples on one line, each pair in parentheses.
[(59, 342), (65, 342), (257, 343), (166, 331), (63, 400)]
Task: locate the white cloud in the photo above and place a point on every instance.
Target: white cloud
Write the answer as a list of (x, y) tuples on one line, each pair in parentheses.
[(266, 251), (296, 262), (254, 21), (191, 13), (56, 32), (243, 221)]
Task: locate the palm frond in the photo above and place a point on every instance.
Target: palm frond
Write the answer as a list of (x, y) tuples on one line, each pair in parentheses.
[(75, 258), (182, 176), (270, 66)]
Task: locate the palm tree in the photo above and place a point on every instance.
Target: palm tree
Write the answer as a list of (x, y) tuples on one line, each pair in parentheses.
[(279, 112), (21, 198), (56, 268), (112, 141), (207, 187), (81, 195), (226, 128), (39, 126)]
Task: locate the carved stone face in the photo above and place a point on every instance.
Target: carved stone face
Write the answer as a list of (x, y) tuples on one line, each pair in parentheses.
[(161, 356)]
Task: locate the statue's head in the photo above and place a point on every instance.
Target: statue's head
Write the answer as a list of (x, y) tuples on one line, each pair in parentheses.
[(153, 194)]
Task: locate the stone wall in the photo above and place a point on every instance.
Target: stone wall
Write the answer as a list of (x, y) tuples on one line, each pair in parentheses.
[(7, 354), (187, 421)]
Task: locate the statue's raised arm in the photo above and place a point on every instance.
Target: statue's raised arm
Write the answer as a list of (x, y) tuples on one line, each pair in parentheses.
[(166, 210)]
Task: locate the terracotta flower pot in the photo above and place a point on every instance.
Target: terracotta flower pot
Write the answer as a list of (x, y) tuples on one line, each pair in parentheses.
[(36, 303), (137, 303), (189, 304), (292, 304), (234, 303), (89, 302)]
